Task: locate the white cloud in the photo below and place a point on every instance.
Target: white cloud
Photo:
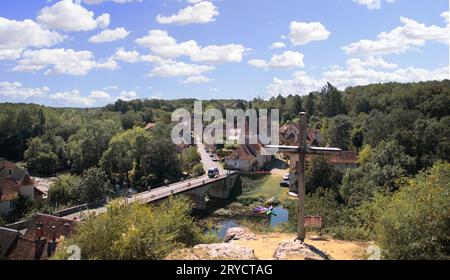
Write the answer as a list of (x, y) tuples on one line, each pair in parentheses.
[(18, 35), (288, 59), (127, 56), (127, 95), (174, 69), (109, 64), (197, 80), (110, 35), (302, 33), (10, 54), (372, 4), (72, 98), (94, 2), (355, 74), (99, 95), (112, 87), (411, 34), (67, 16), (260, 63), (15, 90), (60, 61), (371, 62), (278, 45), (202, 12), (160, 43), (218, 54)]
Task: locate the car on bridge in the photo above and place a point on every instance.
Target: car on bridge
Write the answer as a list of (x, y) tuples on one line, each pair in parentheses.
[(213, 172), (285, 181)]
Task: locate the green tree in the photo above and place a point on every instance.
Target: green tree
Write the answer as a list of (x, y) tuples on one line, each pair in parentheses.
[(339, 132), (331, 101), (63, 191), (87, 146), (320, 173), (357, 138), (414, 224), (40, 158), (94, 185)]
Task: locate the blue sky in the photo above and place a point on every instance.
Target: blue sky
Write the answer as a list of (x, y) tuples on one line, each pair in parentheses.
[(91, 52)]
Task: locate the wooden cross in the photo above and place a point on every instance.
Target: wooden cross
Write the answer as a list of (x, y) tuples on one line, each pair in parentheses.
[(302, 149)]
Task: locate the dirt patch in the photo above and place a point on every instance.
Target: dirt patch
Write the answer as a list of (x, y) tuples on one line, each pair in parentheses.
[(265, 246)]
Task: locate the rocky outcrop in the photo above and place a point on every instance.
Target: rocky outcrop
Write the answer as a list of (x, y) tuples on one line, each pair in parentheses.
[(289, 250), (239, 233), (215, 251)]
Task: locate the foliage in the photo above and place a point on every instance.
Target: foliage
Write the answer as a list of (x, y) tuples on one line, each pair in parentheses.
[(386, 165), (320, 173), (62, 191), (414, 224), (93, 186), (137, 232)]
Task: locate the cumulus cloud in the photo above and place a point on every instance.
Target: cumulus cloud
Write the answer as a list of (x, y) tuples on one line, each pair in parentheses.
[(202, 12), (16, 90), (160, 43), (372, 4), (128, 95), (94, 2), (109, 35), (127, 56), (403, 38), (174, 69), (302, 33), (15, 36), (288, 59), (197, 80), (60, 61), (278, 45), (71, 98), (68, 16), (356, 73)]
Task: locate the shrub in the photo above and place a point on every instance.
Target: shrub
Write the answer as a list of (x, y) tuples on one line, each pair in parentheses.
[(415, 223), (134, 231)]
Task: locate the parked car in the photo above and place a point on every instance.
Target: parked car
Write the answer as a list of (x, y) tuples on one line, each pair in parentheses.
[(213, 172), (215, 158)]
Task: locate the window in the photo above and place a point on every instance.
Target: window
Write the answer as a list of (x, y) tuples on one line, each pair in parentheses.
[(10, 172), (12, 204)]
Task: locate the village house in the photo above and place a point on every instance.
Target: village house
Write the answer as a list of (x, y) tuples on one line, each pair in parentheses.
[(248, 157), (15, 181), (40, 240), (289, 136)]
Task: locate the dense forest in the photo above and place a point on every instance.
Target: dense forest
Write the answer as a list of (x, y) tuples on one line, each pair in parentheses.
[(401, 132)]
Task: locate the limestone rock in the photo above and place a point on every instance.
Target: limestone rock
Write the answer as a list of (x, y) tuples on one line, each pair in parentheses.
[(239, 233), (227, 251), (289, 250)]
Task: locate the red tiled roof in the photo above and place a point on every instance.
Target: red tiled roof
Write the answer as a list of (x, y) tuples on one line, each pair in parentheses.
[(25, 246), (344, 157), (241, 153)]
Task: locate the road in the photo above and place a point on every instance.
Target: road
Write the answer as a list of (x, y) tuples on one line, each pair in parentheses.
[(156, 194), (207, 161), (153, 195)]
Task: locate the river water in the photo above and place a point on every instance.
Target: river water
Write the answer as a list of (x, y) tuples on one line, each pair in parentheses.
[(222, 225)]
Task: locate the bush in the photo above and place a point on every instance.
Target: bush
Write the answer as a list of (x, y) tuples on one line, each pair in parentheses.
[(61, 192), (415, 223), (197, 170), (137, 232)]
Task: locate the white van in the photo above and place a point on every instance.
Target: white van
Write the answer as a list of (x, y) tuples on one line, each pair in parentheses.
[(213, 172)]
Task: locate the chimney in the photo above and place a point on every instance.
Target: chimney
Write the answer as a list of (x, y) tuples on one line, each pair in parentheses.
[(67, 229)]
